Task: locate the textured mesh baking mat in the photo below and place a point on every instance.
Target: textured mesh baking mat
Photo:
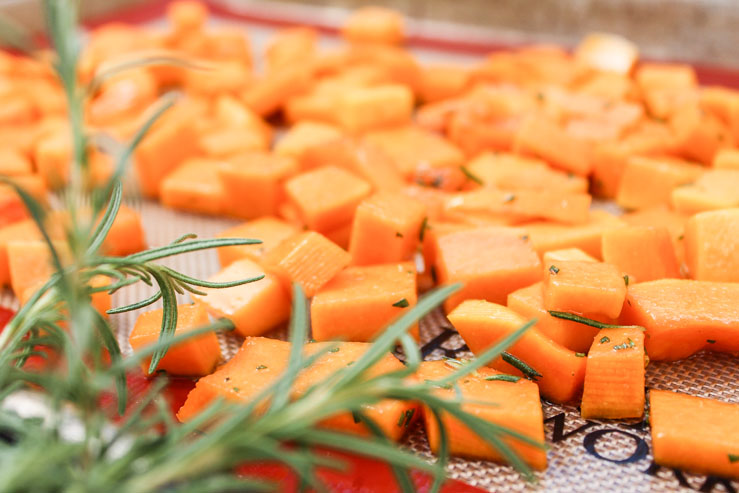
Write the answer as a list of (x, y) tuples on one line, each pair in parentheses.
[(604, 456)]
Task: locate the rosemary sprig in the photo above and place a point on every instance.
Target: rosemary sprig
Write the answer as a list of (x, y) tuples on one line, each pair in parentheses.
[(589, 321)]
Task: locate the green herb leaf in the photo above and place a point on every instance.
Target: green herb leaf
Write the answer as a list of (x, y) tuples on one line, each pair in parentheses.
[(471, 176), (401, 303), (503, 377), (554, 270)]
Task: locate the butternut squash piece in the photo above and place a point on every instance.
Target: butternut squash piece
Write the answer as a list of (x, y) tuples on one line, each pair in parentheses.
[(490, 262), (261, 361), (529, 303), (309, 259), (715, 189), (726, 158), (548, 235), (666, 87), (24, 230), (712, 246), (585, 287), (197, 356), (648, 182), (614, 375), (126, 235), (543, 138), (194, 187), (607, 52), (699, 135), (694, 433), (684, 316), (268, 94), (341, 235), (327, 197), (270, 230), (566, 254), (375, 25), (512, 404), (223, 141), (482, 324), (662, 217), (442, 82), (304, 135), (222, 77), (254, 183), (254, 307), (362, 109), (30, 263), (291, 45), (14, 163), (385, 229), (644, 253), (416, 151), (360, 302)]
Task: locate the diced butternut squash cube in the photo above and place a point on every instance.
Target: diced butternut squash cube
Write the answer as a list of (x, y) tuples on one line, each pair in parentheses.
[(376, 25), (304, 135), (662, 216), (261, 361), (254, 307), (368, 108), (171, 140), (225, 141), (416, 151), (684, 316), (194, 187), (14, 163), (490, 262), (196, 356), (24, 230), (386, 229), (441, 82), (549, 235), (699, 135), (712, 246), (222, 77), (360, 302), (514, 404), (361, 158), (644, 253), (715, 189), (545, 139), (482, 324), (270, 230), (529, 303), (327, 197), (30, 263), (187, 16), (694, 433), (585, 287), (291, 45), (254, 183), (726, 158), (126, 235), (271, 92), (309, 259), (666, 87), (648, 182), (614, 375), (607, 53), (566, 254)]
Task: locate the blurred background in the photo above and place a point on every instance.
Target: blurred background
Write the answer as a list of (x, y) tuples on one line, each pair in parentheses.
[(699, 31)]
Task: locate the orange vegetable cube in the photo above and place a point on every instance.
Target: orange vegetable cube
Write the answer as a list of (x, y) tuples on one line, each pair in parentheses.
[(585, 287), (712, 246), (726, 158), (694, 433), (684, 316), (225, 141), (304, 135), (666, 87), (490, 262), (360, 302), (648, 181), (374, 25), (644, 253), (270, 230), (699, 135), (254, 307), (512, 404), (291, 45), (441, 82), (546, 140), (126, 235), (607, 52), (547, 235), (662, 217), (196, 356), (187, 16), (566, 254), (261, 361), (482, 324), (24, 230), (529, 303), (368, 108), (614, 375), (222, 77), (385, 229), (270, 93), (195, 187), (715, 189), (326, 197), (309, 259), (14, 163), (30, 263), (254, 183), (416, 151)]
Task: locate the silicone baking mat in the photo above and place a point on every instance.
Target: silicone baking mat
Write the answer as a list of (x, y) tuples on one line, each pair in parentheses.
[(602, 456)]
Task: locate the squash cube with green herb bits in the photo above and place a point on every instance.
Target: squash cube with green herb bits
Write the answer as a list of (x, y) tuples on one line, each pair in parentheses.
[(585, 287), (360, 302)]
